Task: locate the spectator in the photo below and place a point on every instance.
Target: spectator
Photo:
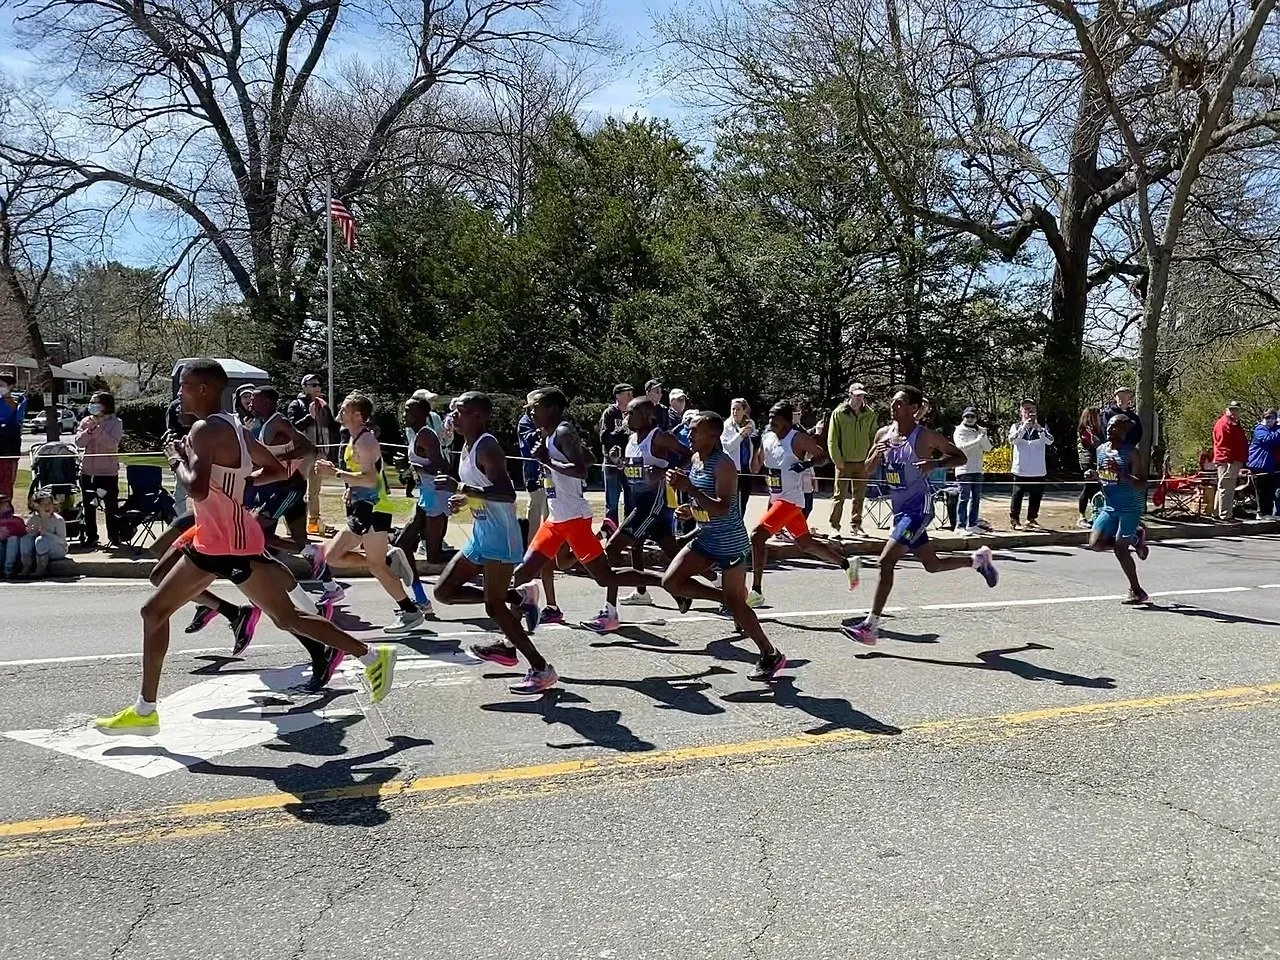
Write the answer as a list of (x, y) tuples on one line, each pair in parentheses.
[(613, 436), (311, 415), (434, 420), (679, 401), (45, 539), (1123, 406), (1089, 438), (973, 442), (12, 530), (661, 414), (1230, 450), (806, 420), (737, 440), (99, 436), (12, 413), (1030, 440), (1264, 458), (244, 408), (850, 432)]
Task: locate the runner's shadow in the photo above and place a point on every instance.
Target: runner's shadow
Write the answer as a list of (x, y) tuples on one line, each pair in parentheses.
[(1001, 661), (835, 713), (1216, 615), (214, 664), (347, 621), (602, 728), (685, 693)]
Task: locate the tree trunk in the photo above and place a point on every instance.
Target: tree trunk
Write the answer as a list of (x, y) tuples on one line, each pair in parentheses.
[(1063, 356)]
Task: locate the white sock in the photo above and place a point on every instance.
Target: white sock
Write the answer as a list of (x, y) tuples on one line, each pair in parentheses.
[(370, 657), (302, 600), (143, 708), (872, 620), (309, 550)]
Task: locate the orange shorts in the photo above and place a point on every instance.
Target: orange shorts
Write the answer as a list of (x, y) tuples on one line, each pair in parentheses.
[(577, 533), (785, 515)]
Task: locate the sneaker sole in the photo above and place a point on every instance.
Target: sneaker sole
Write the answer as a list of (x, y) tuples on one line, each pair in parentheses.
[(251, 625), (390, 674), (533, 693), (871, 642), (489, 658), (128, 731)]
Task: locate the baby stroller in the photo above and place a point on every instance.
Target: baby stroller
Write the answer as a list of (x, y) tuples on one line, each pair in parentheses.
[(55, 466)]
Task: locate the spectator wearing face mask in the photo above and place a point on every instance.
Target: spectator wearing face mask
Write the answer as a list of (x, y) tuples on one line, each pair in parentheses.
[(973, 442), (99, 436)]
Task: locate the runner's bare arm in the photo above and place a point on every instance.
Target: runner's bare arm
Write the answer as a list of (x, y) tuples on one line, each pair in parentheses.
[(669, 447), (811, 449), (427, 445), (578, 463), (726, 488), (876, 453), (270, 470), (302, 447), (493, 464), (942, 453), (196, 455)]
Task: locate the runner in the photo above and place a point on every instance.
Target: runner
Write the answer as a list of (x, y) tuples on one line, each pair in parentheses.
[(368, 517), (785, 454), (244, 619), (494, 547), (429, 515), (908, 451), (564, 466), (720, 542), (1122, 471), (215, 462), (286, 500), (649, 517)]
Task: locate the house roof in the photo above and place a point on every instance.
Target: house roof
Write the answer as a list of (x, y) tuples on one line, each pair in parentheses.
[(29, 363), (103, 367)]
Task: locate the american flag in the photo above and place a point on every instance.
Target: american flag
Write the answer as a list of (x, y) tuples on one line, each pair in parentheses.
[(342, 216)]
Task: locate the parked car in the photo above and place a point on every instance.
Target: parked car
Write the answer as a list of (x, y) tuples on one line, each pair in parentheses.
[(66, 420)]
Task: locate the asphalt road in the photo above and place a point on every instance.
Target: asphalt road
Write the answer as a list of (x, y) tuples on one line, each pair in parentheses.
[(1034, 771)]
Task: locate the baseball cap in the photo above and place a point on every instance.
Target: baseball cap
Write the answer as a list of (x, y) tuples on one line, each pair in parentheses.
[(970, 411), (424, 394), (311, 378), (676, 393), (1233, 405), (858, 389), (651, 384), (623, 388), (1123, 389)]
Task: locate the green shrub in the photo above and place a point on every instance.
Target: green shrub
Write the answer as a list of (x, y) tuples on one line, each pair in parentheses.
[(144, 422)]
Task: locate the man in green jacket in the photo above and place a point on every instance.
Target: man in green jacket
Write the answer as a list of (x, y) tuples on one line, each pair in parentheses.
[(849, 438)]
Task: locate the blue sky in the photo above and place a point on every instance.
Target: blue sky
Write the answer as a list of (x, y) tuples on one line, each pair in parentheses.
[(630, 90)]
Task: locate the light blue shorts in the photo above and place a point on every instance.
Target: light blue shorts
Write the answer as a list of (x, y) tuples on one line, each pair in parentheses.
[(431, 500), (495, 536), (1117, 524)]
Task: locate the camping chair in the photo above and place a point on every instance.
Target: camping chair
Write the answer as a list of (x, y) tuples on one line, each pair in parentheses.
[(147, 505), (876, 506), (946, 503), (55, 466)]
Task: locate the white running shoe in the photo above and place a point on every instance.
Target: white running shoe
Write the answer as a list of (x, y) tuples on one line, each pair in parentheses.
[(406, 622), (637, 599)]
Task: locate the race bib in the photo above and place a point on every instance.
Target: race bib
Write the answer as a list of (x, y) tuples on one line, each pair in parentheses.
[(893, 476), (548, 484), (774, 479), (479, 509), (634, 470), (1108, 474), (701, 515)]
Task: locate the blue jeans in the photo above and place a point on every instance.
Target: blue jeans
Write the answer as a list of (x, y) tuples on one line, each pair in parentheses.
[(970, 498), (612, 492)]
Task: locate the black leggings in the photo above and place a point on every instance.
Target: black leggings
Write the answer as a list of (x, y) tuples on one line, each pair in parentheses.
[(1032, 490), (110, 501), (1086, 496)]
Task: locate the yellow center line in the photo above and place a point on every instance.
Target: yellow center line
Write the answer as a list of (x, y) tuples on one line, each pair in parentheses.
[(469, 787)]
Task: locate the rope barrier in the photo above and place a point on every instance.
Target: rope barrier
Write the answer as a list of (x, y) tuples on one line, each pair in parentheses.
[(1029, 482)]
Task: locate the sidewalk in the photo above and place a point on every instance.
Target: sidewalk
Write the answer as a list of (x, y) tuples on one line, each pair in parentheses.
[(1057, 517)]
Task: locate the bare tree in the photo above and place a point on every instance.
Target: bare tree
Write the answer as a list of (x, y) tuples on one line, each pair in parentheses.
[(197, 109)]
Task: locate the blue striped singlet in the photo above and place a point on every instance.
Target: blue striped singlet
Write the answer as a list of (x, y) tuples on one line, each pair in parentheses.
[(724, 537)]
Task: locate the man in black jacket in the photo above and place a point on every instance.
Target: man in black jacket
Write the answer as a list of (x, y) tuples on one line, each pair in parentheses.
[(1124, 407), (661, 413), (614, 433)]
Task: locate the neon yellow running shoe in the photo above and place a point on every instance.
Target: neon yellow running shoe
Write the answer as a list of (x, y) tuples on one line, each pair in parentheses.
[(380, 673), (853, 570), (755, 599), (129, 722)]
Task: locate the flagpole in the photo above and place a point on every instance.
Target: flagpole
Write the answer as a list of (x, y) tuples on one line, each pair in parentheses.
[(328, 243)]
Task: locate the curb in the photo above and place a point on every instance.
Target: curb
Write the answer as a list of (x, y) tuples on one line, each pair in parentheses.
[(140, 569)]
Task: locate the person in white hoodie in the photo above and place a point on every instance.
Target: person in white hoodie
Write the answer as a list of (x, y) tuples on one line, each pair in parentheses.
[(1029, 438), (973, 443)]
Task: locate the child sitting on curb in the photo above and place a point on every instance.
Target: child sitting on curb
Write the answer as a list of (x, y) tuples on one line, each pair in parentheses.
[(45, 539)]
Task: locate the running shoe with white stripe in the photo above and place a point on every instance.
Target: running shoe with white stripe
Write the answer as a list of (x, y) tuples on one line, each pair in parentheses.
[(536, 681), (381, 672), (606, 621), (204, 616)]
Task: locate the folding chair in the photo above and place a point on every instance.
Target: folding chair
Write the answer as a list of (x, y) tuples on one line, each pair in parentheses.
[(147, 505), (946, 502), (876, 506)]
